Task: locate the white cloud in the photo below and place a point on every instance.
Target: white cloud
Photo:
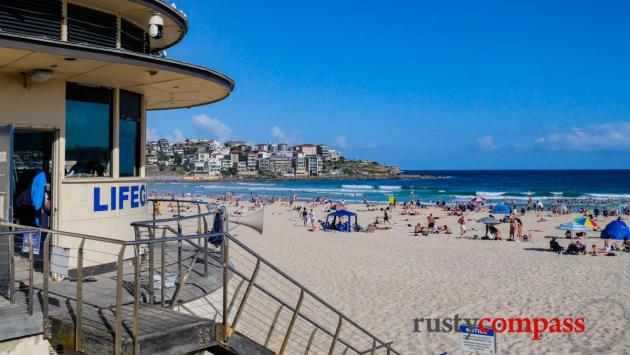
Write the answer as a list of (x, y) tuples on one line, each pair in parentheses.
[(280, 136), (341, 142), (486, 143), (603, 137), (212, 126), (152, 134), (370, 145), (178, 135), (278, 133)]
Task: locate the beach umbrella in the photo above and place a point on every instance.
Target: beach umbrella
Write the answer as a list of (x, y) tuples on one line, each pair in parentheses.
[(489, 221), (573, 227), (617, 229), (587, 222), (477, 199)]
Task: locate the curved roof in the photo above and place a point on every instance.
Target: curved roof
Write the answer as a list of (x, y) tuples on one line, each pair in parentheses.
[(342, 213), (166, 84), (139, 12)]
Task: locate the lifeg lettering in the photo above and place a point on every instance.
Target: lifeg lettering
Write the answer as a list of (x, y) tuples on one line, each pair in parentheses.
[(119, 197)]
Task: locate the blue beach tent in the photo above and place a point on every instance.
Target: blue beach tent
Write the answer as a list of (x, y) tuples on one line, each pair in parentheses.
[(616, 230), (501, 208), (332, 222)]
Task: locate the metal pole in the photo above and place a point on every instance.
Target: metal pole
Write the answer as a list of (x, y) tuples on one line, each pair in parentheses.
[(78, 331), (30, 274), (119, 300), (285, 342), (205, 246), (12, 267), (136, 301), (334, 342), (151, 265), (162, 269), (182, 283), (310, 341), (238, 290), (45, 290), (248, 290), (224, 251), (273, 325), (373, 347)]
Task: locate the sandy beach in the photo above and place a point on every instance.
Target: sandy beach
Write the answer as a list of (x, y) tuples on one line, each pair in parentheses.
[(384, 280)]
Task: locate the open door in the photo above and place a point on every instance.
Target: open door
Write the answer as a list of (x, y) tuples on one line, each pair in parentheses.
[(6, 204)]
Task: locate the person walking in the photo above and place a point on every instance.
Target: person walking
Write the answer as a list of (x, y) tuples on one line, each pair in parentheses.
[(462, 225)]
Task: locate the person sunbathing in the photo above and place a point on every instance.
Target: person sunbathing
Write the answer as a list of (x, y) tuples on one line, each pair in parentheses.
[(447, 230), (625, 246), (593, 251)]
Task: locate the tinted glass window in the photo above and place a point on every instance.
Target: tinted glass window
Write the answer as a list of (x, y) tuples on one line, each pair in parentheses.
[(129, 139), (88, 131)]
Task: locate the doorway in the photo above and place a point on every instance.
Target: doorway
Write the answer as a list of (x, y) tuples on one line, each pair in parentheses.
[(33, 174)]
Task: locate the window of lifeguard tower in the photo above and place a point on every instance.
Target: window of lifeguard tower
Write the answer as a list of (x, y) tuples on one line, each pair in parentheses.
[(88, 131), (91, 128)]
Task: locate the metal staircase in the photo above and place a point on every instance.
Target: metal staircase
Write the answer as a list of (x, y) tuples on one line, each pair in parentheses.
[(184, 285)]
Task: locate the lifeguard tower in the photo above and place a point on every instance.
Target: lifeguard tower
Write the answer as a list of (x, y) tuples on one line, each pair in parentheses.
[(85, 263)]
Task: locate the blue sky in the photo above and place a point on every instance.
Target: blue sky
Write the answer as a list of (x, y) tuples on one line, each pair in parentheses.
[(421, 84)]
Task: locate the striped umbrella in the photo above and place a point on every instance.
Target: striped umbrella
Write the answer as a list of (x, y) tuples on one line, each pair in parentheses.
[(573, 227), (477, 199), (587, 222)]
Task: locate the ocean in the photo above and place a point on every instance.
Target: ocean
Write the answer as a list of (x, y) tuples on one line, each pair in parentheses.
[(494, 185)]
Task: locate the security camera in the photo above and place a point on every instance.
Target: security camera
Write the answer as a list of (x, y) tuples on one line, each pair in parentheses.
[(156, 26)]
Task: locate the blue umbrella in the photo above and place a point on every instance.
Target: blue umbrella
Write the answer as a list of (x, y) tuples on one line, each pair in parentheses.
[(573, 227), (616, 230)]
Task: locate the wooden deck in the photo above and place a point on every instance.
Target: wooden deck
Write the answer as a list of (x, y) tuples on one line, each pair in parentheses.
[(160, 331), (16, 322)]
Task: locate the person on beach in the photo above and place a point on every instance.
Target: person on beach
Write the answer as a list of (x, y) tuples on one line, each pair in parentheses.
[(610, 245), (576, 248), (512, 229), (462, 225), (418, 229), (488, 227), (593, 251), (431, 223), (447, 230), (625, 246), (385, 217), (304, 216), (554, 246), (497, 234), (311, 218), (519, 229)]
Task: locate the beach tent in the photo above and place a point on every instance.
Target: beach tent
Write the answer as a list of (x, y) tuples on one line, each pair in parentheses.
[(616, 230), (501, 208), (342, 227)]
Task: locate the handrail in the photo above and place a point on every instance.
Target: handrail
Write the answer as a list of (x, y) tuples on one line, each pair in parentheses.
[(309, 292), (68, 234), (178, 236)]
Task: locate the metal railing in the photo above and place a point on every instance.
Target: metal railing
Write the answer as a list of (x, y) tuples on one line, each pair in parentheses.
[(267, 305), (258, 300)]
